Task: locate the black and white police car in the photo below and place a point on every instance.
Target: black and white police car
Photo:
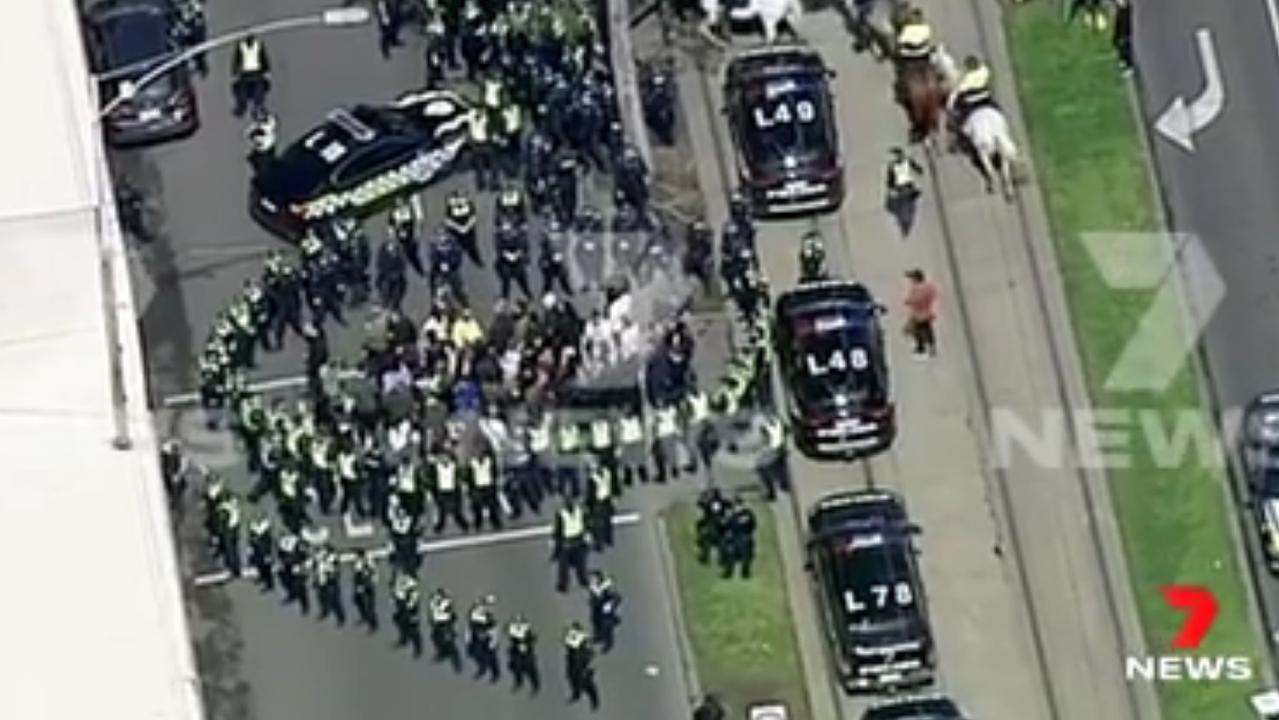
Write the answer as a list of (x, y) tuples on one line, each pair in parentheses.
[(862, 558), (831, 348), (782, 115), (934, 707), (1260, 451), (360, 159)]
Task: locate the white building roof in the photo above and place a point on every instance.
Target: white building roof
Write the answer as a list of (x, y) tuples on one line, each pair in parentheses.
[(91, 619)]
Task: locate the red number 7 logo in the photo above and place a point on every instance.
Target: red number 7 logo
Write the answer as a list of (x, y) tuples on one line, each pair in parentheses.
[(1200, 607)]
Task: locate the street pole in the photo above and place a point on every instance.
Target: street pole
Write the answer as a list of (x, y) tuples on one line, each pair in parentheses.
[(104, 204), (333, 17)]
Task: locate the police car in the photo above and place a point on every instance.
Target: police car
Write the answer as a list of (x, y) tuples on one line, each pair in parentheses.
[(933, 707), (862, 559), (782, 116), (126, 39), (831, 348), (359, 160), (1260, 451)]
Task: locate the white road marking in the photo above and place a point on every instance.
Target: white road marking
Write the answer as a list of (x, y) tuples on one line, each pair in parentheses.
[(1272, 14), (355, 530), (427, 547), (1182, 120), (282, 383), (316, 536)]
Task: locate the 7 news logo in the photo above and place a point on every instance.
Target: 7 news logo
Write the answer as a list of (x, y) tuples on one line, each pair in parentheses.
[(1200, 607)]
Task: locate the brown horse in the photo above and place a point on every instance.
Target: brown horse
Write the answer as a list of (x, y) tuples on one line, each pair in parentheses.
[(920, 93)]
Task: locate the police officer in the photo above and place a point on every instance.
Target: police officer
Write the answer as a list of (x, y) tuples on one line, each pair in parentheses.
[(710, 709), (512, 137), (541, 448), (481, 638), (262, 139), (512, 259), (538, 166), (812, 258), (328, 585), (773, 466), (408, 623), (392, 285), (605, 602), (173, 470), (485, 501), (632, 178), (902, 189), (364, 589), (588, 231), (971, 91), (570, 544), (444, 628), (405, 219), (228, 531), (262, 551), (522, 653), (294, 556), (484, 152), (460, 221), (737, 542), (404, 536), (914, 38), (437, 50), (192, 30), (446, 266), (740, 214), (551, 259), (600, 507), (579, 665), (472, 39), (446, 491), (284, 292), (389, 21), (634, 454), (321, 475), (251, 74), (569, 460), (710, 522), (604, 445), (699, 255), (564, 184), (666, 443)]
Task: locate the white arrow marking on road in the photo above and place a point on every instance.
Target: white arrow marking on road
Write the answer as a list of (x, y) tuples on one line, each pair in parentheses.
[(1182, 120)]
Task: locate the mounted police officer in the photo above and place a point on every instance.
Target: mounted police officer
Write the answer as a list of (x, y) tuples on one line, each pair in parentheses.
[(971, 91)]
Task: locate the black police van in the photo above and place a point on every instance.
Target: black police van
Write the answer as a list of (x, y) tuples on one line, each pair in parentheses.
[(1260, 451), (831, 348), (782, 115), (862, 558), (360, 159), (933, 707)]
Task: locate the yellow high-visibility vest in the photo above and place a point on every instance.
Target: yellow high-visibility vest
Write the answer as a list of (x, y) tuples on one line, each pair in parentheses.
[(446, 475), (631, 430), (347, 466), (539, 437), (601, 434), (320, 454), (667, 425), (603, 486), (482, 469), (698, 408), (915, 36), (903, 174), (250, 55), (974, 80), (570, 438), (572, 523)]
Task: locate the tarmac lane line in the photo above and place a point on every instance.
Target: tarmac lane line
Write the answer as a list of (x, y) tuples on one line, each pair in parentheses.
[(428, 547), (288, 382)]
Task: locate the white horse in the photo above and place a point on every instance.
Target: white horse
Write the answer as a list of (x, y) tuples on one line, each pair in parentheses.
[(769, 13), (987, 130)]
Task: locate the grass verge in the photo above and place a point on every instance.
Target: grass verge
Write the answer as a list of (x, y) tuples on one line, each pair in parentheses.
[(1175, 522), (740, 630)]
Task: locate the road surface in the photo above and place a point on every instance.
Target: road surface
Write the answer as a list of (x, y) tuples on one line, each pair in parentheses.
[(1224, 191)]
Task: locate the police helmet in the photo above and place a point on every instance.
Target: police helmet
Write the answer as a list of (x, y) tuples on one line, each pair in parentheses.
[(737, 205), (489, 599), (510, 199), (972, 62)]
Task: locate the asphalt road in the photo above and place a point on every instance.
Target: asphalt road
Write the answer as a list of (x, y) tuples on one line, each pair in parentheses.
[(1224, 191), (260, 660)]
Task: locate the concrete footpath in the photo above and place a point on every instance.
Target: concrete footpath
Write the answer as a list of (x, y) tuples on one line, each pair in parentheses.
[(1020, 562)]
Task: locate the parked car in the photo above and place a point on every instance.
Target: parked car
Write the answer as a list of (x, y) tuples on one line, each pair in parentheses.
[(126, 40)]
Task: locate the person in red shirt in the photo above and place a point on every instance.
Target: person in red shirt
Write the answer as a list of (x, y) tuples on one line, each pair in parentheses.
[(921, 307)]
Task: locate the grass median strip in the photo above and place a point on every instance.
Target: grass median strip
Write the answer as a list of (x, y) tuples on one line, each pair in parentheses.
[(1174, 521), (740, 630)]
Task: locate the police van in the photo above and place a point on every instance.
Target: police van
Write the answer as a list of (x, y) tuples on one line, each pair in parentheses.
[(1260, 451), (359, 160), (862, 559), (781, 113), (831, 349)]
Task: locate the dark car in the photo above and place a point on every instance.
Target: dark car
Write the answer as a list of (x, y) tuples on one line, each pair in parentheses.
[(1260, 441), (126, 40), (782, 115), (862, 557), (359, 160), (916, 708), (831, 348)]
